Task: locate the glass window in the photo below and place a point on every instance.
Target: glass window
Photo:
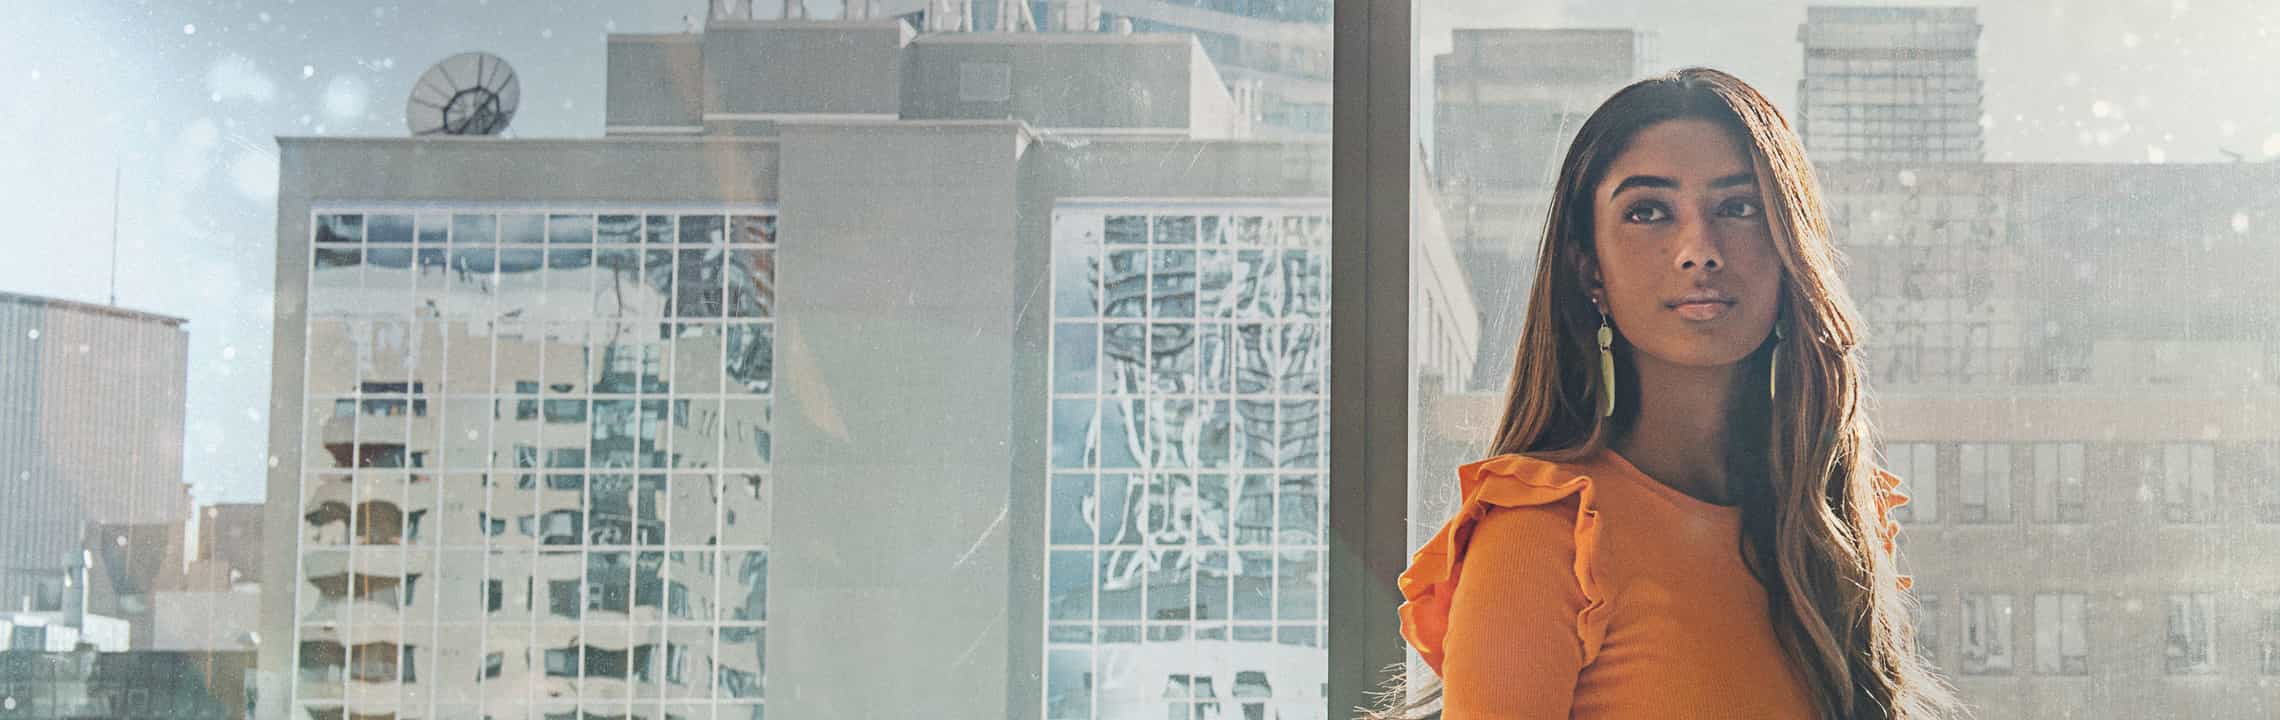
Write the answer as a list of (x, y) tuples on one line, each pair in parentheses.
[(2061, 644), (2188, 485), (2059, 482), (1986, 478), (1986, 633), (1917, 466), (2192, 634)]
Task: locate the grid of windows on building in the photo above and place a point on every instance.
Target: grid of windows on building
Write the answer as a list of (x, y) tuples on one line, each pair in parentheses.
[(2061, 634), (2185, 477), (1937, 273), (1186, 513), (2192, 637), (536, 464), (1891, 84)]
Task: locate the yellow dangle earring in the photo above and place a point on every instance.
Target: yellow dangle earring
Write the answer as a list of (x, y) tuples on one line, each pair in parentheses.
[(1773, 366), (1606, 361)]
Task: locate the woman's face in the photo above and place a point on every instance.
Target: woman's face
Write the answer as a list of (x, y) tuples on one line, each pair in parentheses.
[(1679, 215)]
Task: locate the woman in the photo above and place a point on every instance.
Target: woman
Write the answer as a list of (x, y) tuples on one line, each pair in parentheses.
[(1681, 517)]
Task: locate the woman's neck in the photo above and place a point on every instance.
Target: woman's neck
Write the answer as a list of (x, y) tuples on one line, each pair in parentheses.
[(1678, 437)]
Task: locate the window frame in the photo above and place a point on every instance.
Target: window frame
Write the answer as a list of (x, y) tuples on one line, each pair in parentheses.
[(1371, 381)]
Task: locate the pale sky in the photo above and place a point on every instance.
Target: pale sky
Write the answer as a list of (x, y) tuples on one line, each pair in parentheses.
[(188, 96)]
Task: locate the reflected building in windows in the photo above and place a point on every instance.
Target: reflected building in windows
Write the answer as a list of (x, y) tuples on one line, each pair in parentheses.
[(533, 460), (743, 396)]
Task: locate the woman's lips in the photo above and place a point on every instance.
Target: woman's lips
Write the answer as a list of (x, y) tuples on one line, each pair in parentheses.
[(1701, 310)]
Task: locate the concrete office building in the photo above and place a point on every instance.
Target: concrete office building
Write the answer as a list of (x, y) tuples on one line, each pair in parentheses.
[(1506, 103), (1891, 84), (2076, 370), (91, 423), (941, 375)]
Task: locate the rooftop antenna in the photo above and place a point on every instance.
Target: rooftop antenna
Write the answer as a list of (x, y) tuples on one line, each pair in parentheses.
[(471, 93)]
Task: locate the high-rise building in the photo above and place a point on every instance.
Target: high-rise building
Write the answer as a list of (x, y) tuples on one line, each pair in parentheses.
[(91, 423), (2069, 351), (1506, 103), (1891, 84), (921, 375)]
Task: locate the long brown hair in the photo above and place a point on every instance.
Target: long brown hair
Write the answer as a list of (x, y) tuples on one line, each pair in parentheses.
[(1810, 533)]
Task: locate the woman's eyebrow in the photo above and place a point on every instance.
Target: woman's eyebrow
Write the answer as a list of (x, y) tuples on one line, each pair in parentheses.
[(1656, 181), (1642, 181)]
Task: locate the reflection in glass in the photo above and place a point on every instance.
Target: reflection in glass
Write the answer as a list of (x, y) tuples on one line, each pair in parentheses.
[(688, 662), (697, 351), (1069, 506), (461, 591), (522, 229), (696, 432), (745, 587), (751, 359), (649, 506), (689, 584), (743, 662), (747, 428), (751, 283), (530, 362), (744, 514), (388, 270), (570, 229), (1226, 372), (521, 283), (695, 508), (610, 510), (473, 229), (697, 275), (1069, 585)]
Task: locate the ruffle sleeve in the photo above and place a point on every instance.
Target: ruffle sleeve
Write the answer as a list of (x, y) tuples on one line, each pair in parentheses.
[(1888, 496), (1502, 481)]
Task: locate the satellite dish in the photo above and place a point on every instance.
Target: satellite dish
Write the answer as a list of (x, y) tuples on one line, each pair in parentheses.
[(471, 93)]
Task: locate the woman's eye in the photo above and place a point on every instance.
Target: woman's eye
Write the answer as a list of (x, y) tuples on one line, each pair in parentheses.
[(1742, 208), (1648, 212)]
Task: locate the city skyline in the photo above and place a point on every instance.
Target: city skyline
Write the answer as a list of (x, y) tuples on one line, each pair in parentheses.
[(199, 165)]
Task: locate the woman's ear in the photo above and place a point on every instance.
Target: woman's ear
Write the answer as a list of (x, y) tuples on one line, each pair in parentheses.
[(1587, 270)]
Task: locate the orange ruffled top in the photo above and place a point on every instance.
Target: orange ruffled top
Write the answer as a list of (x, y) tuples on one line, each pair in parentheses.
[(1589, 590)]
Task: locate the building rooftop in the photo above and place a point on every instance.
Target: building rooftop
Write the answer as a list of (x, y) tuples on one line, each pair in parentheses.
[(94, 308)]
